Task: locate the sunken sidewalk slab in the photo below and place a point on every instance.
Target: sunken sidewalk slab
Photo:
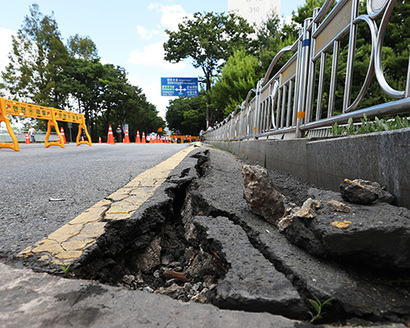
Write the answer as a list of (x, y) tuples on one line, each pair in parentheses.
[(39, 300), (360, 291), (34, 300), (252, 283)]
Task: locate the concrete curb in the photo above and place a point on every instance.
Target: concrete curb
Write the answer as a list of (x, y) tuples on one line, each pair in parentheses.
[(383, 157)]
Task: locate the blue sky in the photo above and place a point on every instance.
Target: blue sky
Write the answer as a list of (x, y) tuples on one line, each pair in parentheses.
[(128, 33)]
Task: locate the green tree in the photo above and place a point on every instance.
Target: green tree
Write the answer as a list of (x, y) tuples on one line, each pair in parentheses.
[(130, 106), (208, 39), (37, 59), (306, 11), (271, 38), (105, 96), (187, 115), (239, 75), (397, 45), (82, 47)]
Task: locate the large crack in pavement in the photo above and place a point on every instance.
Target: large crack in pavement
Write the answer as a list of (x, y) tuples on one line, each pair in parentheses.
[(196, 240)]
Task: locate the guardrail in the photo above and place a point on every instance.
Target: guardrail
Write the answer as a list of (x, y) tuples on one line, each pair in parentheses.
[(52, 115), (291, 104)]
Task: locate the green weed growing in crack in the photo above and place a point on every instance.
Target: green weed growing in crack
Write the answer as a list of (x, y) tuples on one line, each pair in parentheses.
[(65, 269), (367, 126), (318, 306)]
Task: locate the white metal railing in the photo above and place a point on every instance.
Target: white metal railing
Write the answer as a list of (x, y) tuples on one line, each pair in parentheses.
[(291, 103)]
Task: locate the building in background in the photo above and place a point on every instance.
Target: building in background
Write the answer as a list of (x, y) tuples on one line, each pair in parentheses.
[(254, 11)]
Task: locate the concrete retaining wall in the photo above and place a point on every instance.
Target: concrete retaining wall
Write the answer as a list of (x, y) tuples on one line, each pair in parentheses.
[(383, 157)]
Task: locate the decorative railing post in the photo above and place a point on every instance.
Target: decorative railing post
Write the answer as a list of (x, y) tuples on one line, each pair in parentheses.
[(257, 113), (312, 71), (302, 81), (350, 55)]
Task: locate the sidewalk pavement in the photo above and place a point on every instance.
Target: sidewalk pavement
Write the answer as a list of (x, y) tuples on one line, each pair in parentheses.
[(30, 299)]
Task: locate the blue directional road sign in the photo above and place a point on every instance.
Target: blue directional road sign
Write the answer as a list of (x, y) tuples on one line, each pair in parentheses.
[(179, 86)]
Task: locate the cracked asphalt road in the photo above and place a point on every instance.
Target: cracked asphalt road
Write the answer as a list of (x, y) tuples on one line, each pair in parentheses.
[(43, 189), (68, 243)]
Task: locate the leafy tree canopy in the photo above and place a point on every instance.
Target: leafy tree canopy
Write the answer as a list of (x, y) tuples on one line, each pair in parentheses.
[(36, 60), (238, 76), (208, 39), (186, 115), (82, 47)]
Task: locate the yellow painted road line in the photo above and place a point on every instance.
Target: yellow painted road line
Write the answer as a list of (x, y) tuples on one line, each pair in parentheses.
[(68, 243)]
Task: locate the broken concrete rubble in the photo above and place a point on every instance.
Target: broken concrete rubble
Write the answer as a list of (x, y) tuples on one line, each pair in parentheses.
[(308, 209), (337, 206), (364, 192), (377, 235), (347, 236), (357, 194), (260, 195), (382, 194), (149, 258)]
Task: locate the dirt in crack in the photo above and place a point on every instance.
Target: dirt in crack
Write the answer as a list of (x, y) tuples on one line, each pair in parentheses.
[(172, 266)]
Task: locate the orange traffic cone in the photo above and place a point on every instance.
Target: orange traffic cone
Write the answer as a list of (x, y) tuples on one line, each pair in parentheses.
[(27, 139), (137, 139), (99, 140), (110, 139), (144, 141), (63, 135), (127, 137)]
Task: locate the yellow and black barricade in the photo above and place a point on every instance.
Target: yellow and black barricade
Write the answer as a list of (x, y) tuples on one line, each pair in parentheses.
[(52, 115), (182, 139)]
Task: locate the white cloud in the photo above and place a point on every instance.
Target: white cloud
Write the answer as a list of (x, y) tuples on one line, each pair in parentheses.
[(154, 6), (6, 46), (153, 56), (172, 16), (145, 33)]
